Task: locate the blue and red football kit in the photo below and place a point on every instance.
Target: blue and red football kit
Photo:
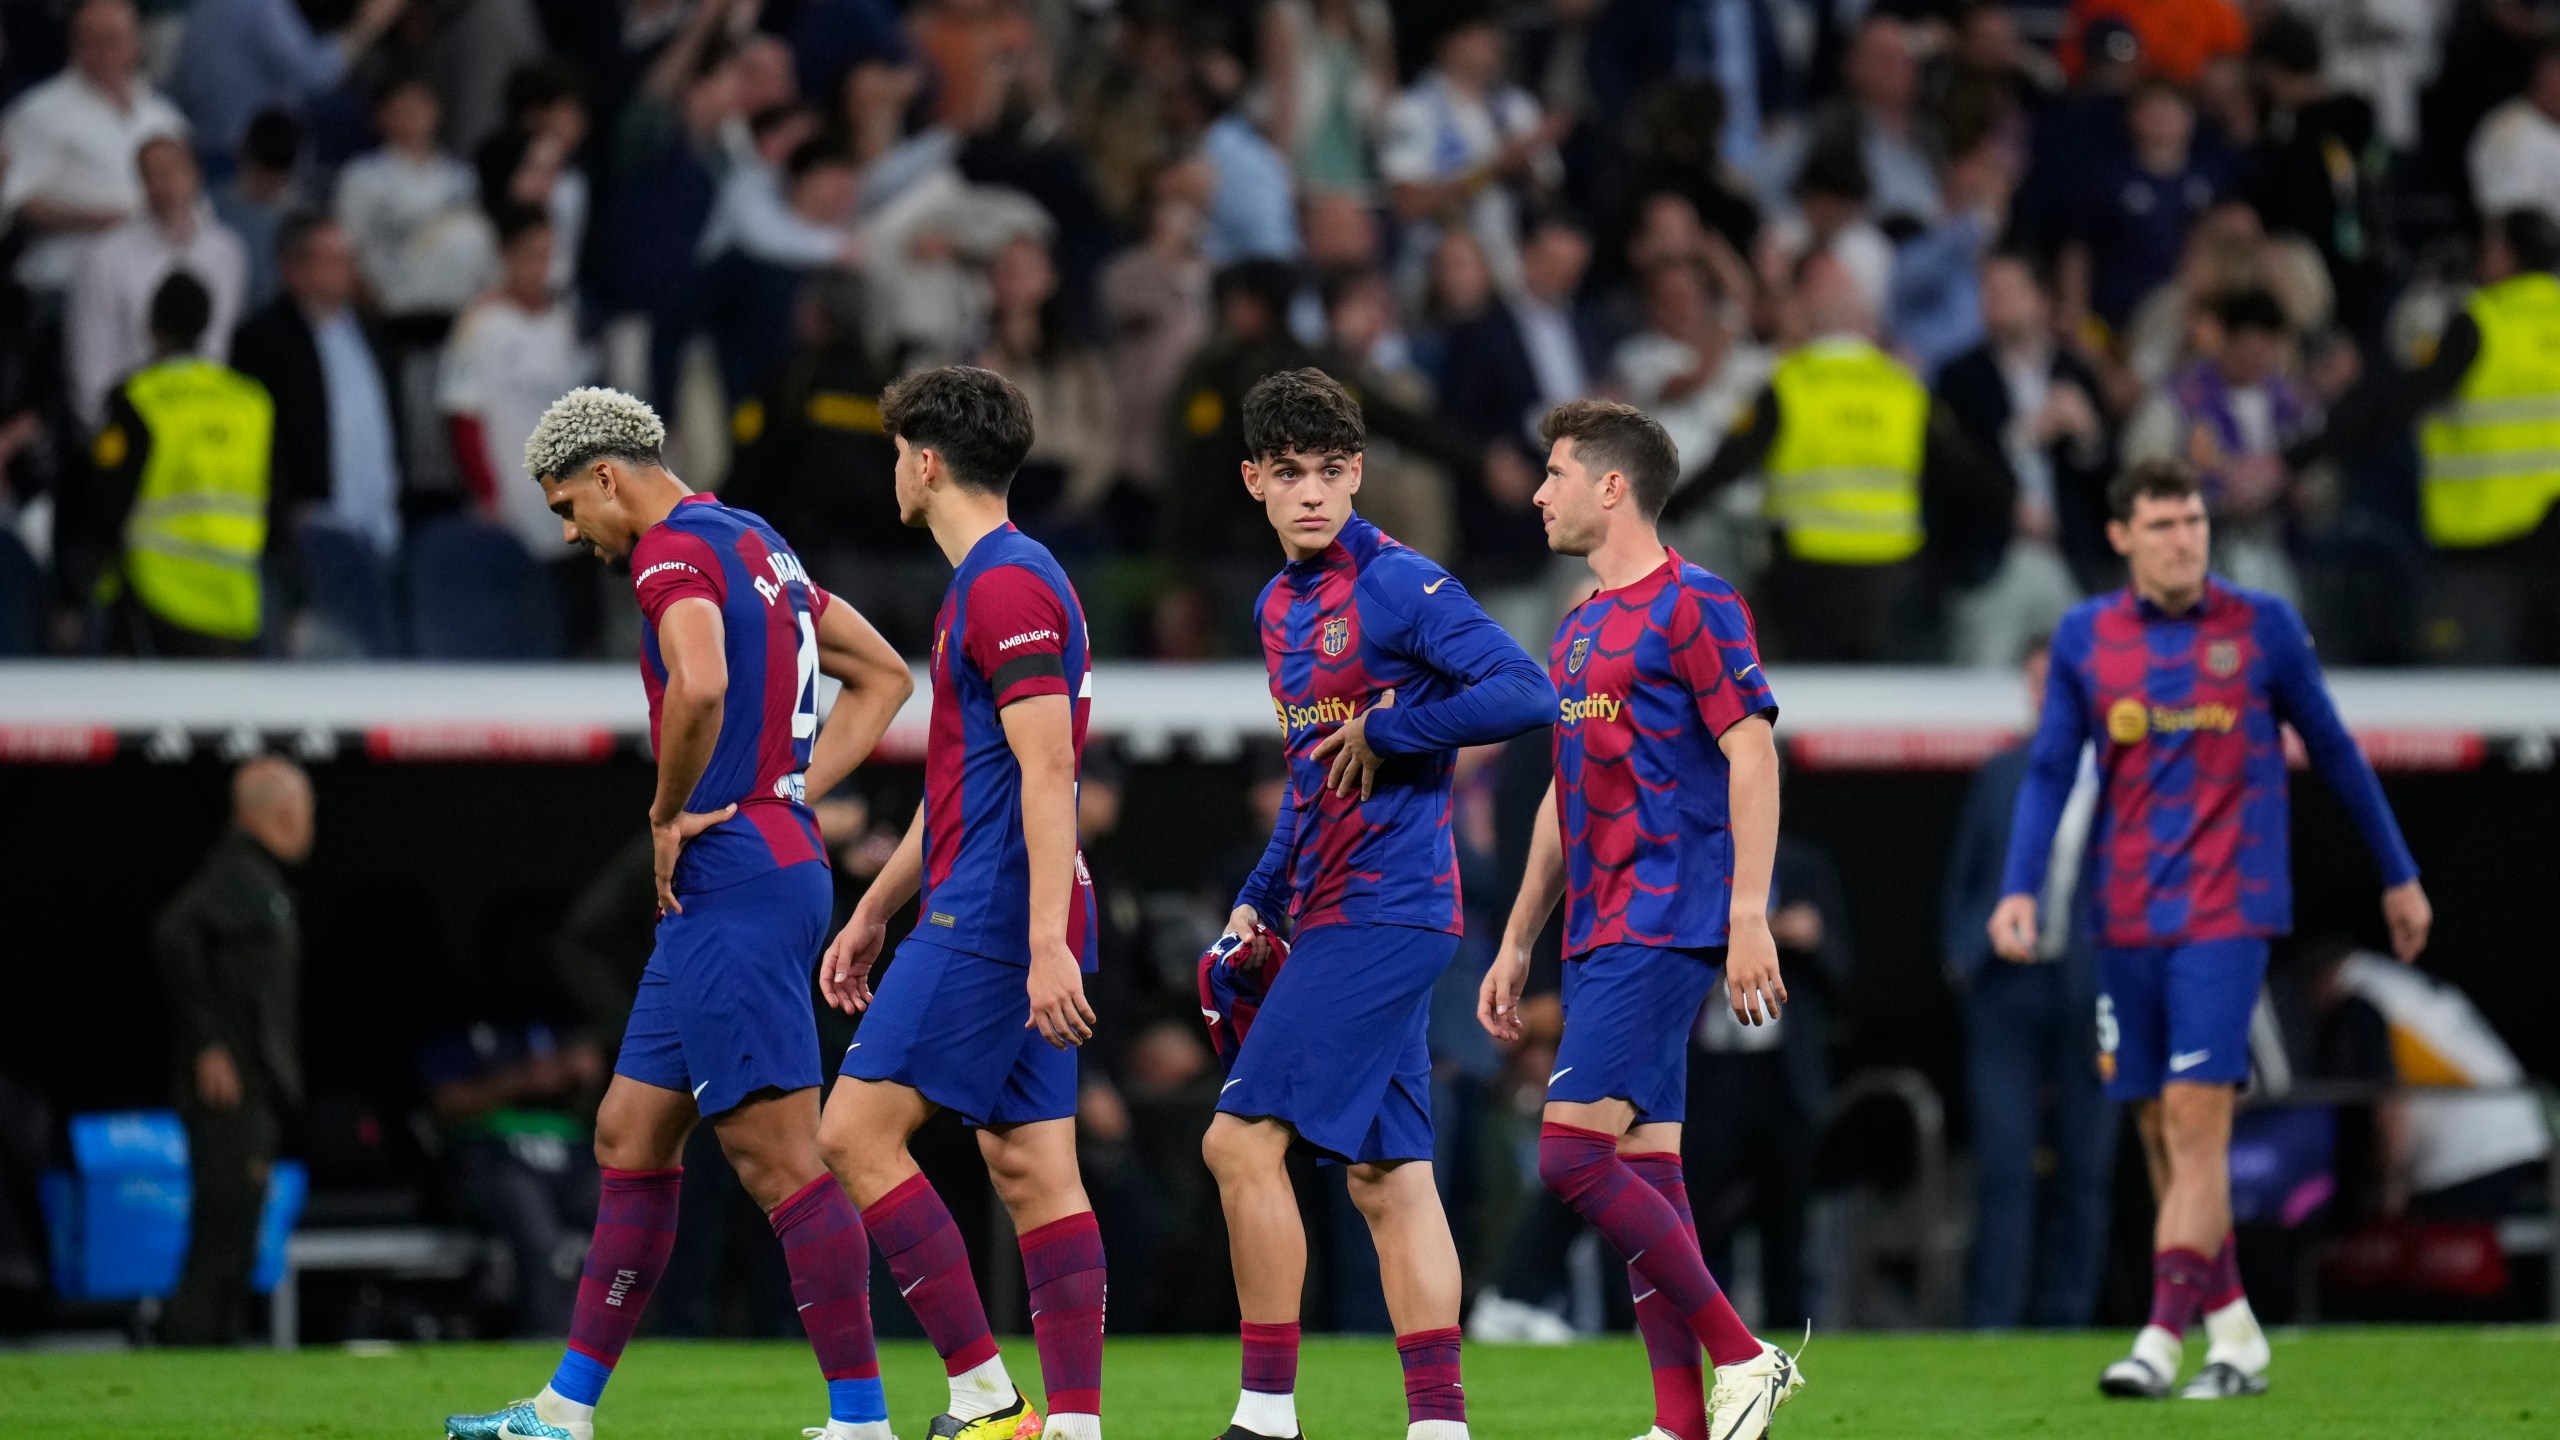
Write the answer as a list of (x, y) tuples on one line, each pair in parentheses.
[(723, 1008), (1648, 679), (2189, 865), (1369, 887), (948, 1017)]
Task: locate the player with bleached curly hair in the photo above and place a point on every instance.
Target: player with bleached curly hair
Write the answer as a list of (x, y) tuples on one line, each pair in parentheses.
[(736, 638)]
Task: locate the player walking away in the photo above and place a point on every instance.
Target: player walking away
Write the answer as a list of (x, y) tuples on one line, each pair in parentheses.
[(1381, 667), (1007, 909), (734, 641), (2180, 681), (1659, 833)]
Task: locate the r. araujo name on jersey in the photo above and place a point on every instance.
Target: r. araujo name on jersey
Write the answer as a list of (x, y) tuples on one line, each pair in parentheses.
[(1010, 629), (769, 638), (1648, 678)]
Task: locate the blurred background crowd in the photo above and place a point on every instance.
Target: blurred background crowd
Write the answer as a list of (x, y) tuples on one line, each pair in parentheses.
[(2055, 239)]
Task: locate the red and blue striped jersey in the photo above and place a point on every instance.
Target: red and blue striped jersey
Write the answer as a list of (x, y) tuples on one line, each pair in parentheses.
[(2191, 841), (1011, 628), (1339, 631), (769, 637), (1648, 678)]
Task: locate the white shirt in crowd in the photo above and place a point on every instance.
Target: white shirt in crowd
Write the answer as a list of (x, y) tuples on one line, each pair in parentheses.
[(1859, 247), (68, 142), (2439, 1038), (107, 324), (2515, 160), (1698, 421), (421, 242), (503, 365), (1434, 132)]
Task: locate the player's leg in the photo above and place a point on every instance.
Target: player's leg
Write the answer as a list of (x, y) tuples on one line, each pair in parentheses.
[(2213, 990), (2133, 1055), (1418, 1266), (1652, 1151), (640, 1133), (1268, 1248), (771, 1140), (1033, 1168)]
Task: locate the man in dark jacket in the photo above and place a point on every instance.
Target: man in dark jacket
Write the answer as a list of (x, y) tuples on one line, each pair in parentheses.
[(2032, 1061), (230, 955), (337, 441)]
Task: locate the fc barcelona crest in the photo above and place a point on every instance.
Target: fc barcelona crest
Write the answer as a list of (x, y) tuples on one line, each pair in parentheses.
[(2222, 658), (1337, 636), (1574, 657)]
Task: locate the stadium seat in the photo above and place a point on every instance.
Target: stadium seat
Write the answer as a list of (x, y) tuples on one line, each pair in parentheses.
[(345, 609), (474, 594)]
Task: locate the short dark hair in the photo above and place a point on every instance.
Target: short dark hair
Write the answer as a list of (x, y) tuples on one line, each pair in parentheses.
[(404, 78), (273, 140), (541, 84), (294, 235), (974, 419), (2287, 44), (1302, 412), (813, 153), (1270, 283), (2255, 308), (1607, 436), (2150, 480), (2532, 238), (1837, 168), (1341, 282), (515, 218), (180, 310)]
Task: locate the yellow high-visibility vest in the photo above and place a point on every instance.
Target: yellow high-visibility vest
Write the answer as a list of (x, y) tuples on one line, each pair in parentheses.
[(1844, 475), (199, 521), (2493, 453)]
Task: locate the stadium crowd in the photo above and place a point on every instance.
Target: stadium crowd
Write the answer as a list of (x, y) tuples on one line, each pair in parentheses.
[(2026, 243)]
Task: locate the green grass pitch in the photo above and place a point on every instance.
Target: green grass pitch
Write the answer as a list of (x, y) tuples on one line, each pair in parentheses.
[(2471, 1384)]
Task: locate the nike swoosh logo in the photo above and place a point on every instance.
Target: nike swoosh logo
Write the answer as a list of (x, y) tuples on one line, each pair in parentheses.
[(698, 1089), (907, 1290), (813, 1302), (1644, 1297), (1552, 1079), (1748, 1411), (856, 1045), (1747, 669), (1212, 1016), (1230, 1085), (1435, 585), (2190, 1059)]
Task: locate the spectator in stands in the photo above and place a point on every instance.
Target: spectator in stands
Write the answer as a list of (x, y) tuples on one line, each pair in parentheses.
[(1935, 312), (1832, 197), (768, 235), (2317, 171), (230, 957), (1457, 290), (1533, 349), (243, 56), (514, 351), (534, 159), (1855, 456), (1155, 313), (2232, 417), (2515, 154), (258, 197), (2033, 405), (1880, 116), (1206, 512), (1691, 367), (1463, 142), (413, 212), (975, 49), (1252, 206), (1075, 447), (106, 330), (2133, 225), (1328, 69), (478, 47), (336, 449), (1405, 486), (178, 514), (2044, 1131), (2179, 37), (71, 143)]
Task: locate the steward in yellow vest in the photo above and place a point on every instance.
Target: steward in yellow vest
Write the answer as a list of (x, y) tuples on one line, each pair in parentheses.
[(182, 467)]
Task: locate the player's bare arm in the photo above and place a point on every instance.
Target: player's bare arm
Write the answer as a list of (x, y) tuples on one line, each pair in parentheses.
[(1541, 886), (690, 640), (1040, 730), (844, 972), (876, 683), (1751, 978), (1347, 751)]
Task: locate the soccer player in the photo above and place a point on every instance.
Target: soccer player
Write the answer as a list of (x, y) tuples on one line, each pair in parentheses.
[(983, 1008), (2181, 680), (1659, 832), (734, 640), (1381, 667)]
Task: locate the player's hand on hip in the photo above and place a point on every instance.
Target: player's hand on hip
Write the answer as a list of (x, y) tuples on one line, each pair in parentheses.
[(1498, 998), (1751, 979), (2013, 928), (2406, 910), (666, 842), (844, 972), (1059, 1010), (1347, 749)]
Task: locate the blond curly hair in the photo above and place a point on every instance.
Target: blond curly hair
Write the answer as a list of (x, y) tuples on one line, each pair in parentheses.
[(592, 423)]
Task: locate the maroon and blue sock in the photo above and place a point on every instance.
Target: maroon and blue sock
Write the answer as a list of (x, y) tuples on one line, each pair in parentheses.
[(930, 1262), (1583, 1169), (2222, 1278), (1679, 1380), (2177, 1288), (1271, 1358), (1431, 1389), (635, 1231), (1062, 1263), (830, 1266)]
